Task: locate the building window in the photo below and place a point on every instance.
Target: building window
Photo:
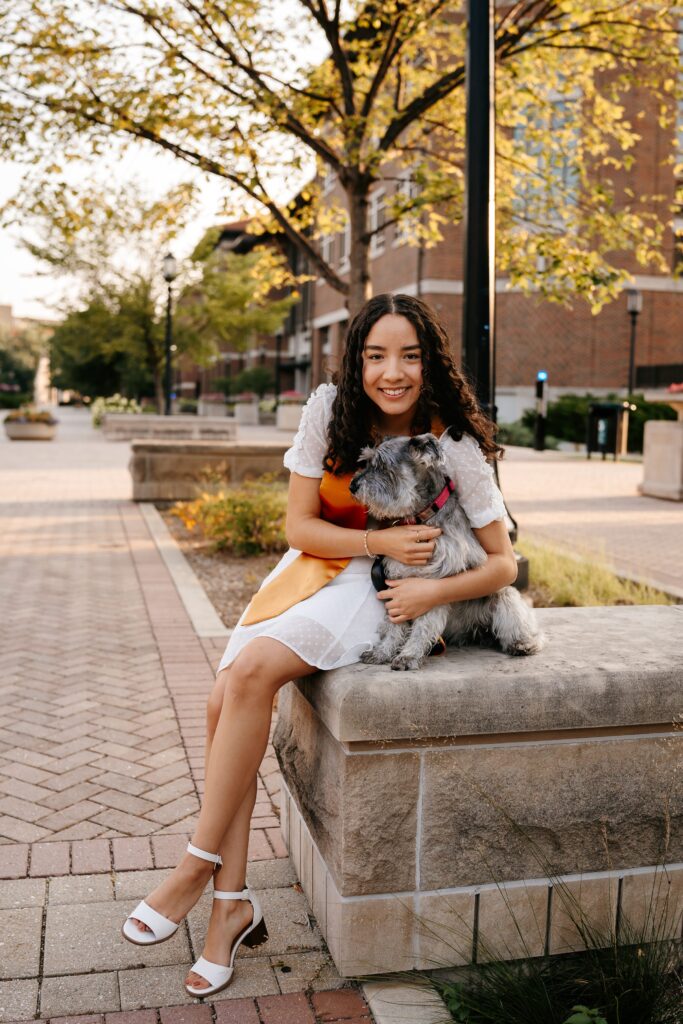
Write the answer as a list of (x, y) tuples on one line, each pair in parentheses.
[(407, 190), (326, 252), (329, 181), (541, 195), (345, 248), (378, 217)]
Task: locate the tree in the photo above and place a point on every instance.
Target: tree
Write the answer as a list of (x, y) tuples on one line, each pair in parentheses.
[(109, 241), (271, 97), (86, 354), (20, 352), (235, 297)]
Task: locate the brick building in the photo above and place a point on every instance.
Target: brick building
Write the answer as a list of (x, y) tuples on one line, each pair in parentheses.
[(580, 351)]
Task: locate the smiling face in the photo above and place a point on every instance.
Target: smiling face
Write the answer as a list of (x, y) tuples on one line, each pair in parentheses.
[(392, 371)]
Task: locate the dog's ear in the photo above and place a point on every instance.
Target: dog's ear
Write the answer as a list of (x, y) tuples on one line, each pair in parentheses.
[(424, 447), (366, 454)]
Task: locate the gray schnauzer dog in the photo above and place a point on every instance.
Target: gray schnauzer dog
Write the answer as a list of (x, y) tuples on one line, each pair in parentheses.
[(400, 479)]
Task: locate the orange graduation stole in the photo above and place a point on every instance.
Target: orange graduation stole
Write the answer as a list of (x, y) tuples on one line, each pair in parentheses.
[(308, 574)]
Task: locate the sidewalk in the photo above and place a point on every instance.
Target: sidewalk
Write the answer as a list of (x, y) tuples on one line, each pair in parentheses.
[(103, 684), (593, 508)]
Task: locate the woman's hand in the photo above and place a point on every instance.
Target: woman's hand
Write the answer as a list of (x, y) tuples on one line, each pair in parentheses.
[(411, 545), (409, 598)]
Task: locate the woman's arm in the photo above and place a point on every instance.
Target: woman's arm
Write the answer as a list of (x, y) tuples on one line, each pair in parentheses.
[(408, 598), (306, 531)]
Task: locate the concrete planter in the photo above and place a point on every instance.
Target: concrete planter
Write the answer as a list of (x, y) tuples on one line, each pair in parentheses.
[(126, 426), (663, 450), (288, 415), (422, 809), (246, 413), (30, 431), (205, 408), (173, 470), (663, 460)]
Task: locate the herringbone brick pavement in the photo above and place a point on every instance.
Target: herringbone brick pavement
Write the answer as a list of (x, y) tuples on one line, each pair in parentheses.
[(103, 684)]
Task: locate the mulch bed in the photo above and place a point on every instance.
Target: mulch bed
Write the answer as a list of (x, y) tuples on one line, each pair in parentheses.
[(229, 580)]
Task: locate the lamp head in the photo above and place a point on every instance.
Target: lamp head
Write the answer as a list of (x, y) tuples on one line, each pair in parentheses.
[(169, 267), (634, 300), (542, 375)]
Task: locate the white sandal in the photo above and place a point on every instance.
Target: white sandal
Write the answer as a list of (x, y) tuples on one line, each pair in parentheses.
[(162, 928), (218, 975)]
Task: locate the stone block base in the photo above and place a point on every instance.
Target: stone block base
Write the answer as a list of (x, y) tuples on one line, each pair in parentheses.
[(425, 930), (663, 460), (429, 814), (177, 470)]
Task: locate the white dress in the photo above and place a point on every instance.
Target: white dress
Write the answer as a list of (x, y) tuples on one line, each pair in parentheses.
[(335, 625)]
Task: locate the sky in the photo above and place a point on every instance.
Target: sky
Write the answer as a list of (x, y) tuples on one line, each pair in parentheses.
[(33, 294), (23, 282)]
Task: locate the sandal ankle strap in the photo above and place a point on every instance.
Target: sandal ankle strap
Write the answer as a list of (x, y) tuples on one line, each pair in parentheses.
[(221, 894), (214, 858)]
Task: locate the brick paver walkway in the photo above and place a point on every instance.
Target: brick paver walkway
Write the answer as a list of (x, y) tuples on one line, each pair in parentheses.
[(103, 684)]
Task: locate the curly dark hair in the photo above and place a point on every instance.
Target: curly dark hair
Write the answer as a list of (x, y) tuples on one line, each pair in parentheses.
[(445, 392)]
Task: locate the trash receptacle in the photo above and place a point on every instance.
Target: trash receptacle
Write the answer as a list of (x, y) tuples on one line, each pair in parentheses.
[(607, 429)]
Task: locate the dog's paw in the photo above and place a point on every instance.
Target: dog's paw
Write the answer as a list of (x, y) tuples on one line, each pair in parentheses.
[(402, 664), (525, 646), (372, 658)]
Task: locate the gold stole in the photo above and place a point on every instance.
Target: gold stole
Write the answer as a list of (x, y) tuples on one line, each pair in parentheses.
[(308, 574)]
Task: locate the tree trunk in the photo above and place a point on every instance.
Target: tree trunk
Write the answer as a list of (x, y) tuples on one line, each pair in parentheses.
[(158, 389), (360, 287)]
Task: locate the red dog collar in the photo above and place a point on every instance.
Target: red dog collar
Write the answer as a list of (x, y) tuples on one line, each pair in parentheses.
[(430, 511)]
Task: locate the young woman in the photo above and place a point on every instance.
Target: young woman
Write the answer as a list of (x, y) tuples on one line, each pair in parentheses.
[(318, 608)]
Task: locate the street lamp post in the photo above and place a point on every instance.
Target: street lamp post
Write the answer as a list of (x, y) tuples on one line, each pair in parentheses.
[(479, 293), (634, 306), (170, 272)]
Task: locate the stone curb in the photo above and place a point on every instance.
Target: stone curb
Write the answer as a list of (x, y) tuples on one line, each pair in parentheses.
[(202, 613), (394, 1002)]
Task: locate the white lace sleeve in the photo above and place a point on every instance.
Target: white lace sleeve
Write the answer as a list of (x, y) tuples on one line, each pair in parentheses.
[(310, 442), (475, 484)]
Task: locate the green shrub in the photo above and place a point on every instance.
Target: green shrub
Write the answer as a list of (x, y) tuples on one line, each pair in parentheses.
[(14, 399), (624, 974), (246, 520), (518, 433), (113, 403), (568, 417), (187, 405)]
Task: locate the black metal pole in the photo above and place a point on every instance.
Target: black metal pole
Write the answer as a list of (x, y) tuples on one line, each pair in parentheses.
[(167, 368), (478, 339), (632, 354), (278, 351)]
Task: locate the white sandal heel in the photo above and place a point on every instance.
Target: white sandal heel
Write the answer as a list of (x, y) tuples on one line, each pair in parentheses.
[(162, 928), (218, 975)]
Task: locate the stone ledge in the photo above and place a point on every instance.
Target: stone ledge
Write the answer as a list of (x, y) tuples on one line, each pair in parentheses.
[(418, 795), (126, 426), (169, 470), (591, 674)]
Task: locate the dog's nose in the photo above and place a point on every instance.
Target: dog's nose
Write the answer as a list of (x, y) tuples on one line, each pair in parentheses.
[(353, 486)]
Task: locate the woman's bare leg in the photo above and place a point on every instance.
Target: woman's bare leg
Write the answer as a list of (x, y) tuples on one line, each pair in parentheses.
[(251, 683)]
